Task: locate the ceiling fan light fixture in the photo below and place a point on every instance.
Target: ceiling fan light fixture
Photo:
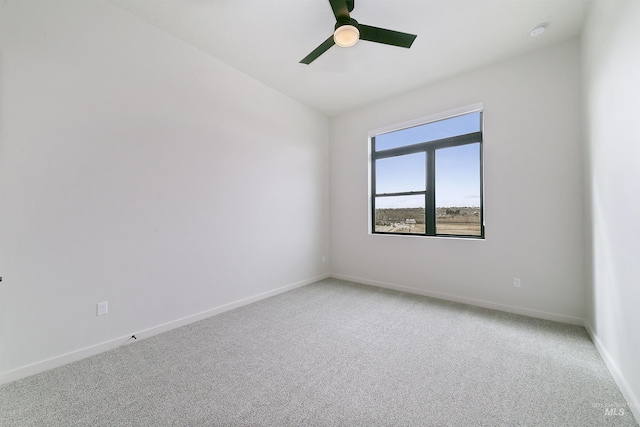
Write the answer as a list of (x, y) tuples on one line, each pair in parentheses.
[(346, 35)]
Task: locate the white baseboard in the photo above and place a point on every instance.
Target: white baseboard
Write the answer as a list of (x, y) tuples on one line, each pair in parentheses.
[(83, 353), (470, 301), (632, 400)]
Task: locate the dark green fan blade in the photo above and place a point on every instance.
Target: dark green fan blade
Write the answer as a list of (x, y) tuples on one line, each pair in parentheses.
[(318, 51), (380, 35), (340, 9)]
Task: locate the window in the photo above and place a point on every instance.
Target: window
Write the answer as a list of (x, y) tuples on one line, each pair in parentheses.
[(426, 178)]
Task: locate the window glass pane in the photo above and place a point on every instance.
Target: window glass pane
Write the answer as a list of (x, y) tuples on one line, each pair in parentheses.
[(458, 190), (400, 174), (446, 128), (400, 214)]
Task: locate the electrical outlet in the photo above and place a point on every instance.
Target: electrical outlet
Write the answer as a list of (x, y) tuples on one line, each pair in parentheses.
[(516, 282), (102, 308), (323, 258)]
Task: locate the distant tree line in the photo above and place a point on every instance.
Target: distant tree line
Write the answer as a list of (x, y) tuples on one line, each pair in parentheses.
[(389, 216)]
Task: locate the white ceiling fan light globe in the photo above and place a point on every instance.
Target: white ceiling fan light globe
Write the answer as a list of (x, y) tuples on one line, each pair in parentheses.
[(346, 35)]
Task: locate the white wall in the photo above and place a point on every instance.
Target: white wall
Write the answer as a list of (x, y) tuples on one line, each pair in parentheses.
[(533, 192), (611, 52), (140, 171)]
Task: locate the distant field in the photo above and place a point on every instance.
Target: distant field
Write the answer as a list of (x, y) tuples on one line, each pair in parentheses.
[(409, 229), (460, 229), (467, 229), (457, 221), (464, 229)]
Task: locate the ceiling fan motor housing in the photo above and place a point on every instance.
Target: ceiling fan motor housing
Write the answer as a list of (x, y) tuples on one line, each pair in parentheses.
[(343, 22)]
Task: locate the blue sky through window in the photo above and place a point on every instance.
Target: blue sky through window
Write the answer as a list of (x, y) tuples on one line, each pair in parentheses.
[(457, 168), (458, 176), (402, 173), (454, 126)]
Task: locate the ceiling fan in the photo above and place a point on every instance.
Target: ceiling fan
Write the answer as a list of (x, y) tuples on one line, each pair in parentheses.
[(348, 31)]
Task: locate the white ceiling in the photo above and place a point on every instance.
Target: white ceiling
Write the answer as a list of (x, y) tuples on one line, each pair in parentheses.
[(266, 39)]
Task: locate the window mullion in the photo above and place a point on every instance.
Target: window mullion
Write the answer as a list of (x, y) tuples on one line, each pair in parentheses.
[(430, 195), (373, 185)]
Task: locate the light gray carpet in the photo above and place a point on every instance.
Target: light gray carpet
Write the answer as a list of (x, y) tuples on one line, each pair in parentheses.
[(334, 353)]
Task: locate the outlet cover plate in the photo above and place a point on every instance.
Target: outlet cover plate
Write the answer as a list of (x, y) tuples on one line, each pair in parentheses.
[(102, 308)]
